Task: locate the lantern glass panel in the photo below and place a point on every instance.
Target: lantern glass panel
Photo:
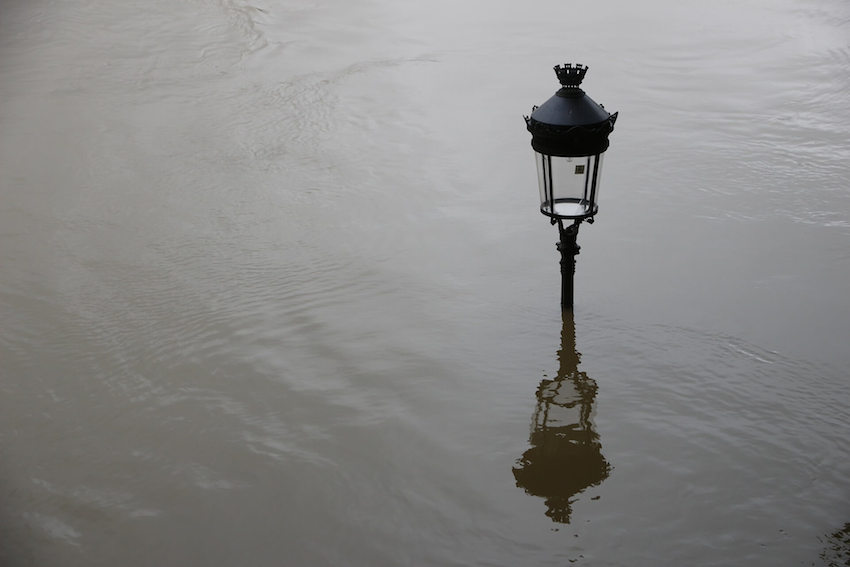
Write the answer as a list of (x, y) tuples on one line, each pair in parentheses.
[(569, 186)]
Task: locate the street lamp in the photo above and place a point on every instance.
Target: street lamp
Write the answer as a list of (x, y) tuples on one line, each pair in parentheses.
[(569, 134)]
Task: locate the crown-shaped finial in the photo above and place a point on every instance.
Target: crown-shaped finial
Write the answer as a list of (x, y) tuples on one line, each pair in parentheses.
[(569, 76)]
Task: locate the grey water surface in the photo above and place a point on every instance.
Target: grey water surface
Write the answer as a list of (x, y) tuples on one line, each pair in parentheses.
[(275, 290)]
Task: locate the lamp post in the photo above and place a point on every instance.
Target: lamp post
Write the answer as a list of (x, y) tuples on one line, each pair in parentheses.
[(569, 134)]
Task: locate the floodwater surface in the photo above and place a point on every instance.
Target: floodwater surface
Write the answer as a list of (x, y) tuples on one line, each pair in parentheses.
[(275, 289)]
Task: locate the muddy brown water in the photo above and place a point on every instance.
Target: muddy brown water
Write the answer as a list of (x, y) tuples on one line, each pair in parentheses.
[(274, 289)]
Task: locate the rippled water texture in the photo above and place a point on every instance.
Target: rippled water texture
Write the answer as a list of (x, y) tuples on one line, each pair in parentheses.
[(275, 290)]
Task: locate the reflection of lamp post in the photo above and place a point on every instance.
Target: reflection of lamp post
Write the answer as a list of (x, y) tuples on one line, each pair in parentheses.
[(569, 134), (565, 455)]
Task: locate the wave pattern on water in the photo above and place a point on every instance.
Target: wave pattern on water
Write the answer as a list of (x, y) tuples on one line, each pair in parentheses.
[(690, 398)]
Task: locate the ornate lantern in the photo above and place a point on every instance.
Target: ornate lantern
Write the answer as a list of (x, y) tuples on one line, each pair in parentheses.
[(569, 134)]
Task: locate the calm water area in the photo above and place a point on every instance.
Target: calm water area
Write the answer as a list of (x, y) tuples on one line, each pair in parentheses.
[(275, 288)]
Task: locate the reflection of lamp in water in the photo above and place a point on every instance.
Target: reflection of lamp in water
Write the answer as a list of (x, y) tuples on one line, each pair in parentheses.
[(565, 455)]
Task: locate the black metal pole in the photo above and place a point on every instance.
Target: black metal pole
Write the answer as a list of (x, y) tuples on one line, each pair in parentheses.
[(568, 248)]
